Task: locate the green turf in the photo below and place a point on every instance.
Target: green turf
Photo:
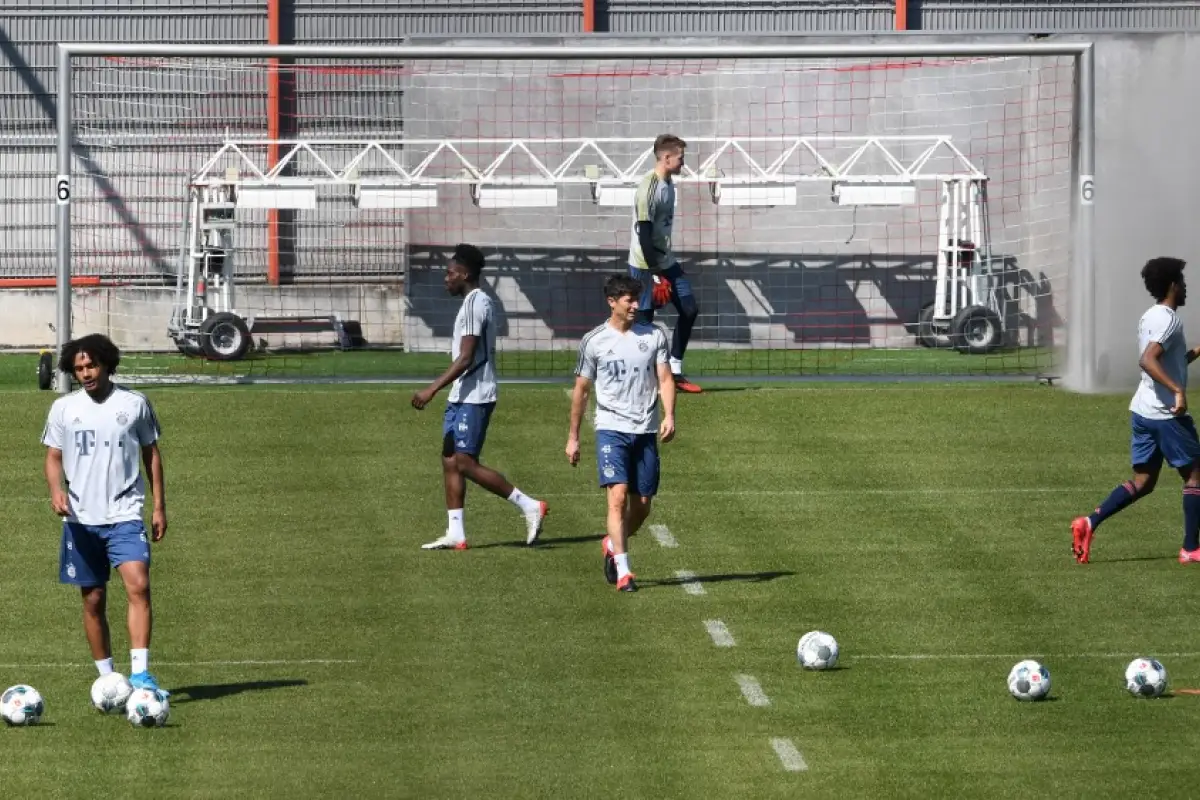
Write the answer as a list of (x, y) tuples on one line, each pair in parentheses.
[(905, 519), (22, 369)]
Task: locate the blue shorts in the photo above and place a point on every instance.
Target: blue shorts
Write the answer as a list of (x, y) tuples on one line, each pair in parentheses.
[(87, 551), (1155, 439), (629, 458), (466, 426), (680, 285)]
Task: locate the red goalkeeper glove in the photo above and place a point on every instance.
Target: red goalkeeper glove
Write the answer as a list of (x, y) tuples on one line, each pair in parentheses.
[(661, 293)]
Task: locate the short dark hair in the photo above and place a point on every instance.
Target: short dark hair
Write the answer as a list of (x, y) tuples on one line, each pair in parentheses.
[(667, 142), (622, 286), (1161, 273), (470, 257), (99, 349)]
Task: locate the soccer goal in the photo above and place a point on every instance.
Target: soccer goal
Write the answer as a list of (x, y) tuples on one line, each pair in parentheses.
[(239, 213)]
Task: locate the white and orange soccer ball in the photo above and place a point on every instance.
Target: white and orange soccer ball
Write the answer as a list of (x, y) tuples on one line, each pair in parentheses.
[(1029, 680), (1145, 677), (22, 705), (147, 708)]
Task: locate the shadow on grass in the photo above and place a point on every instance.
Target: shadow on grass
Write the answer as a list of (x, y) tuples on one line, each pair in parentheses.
[(215, 691), (748, 577)]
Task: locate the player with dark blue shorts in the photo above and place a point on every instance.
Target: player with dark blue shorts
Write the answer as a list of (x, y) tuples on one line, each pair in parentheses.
[(471, 377), (95, 438), (1161, 428), (627, 362)]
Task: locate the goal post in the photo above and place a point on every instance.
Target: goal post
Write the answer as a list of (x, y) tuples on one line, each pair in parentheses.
[(875, 208)]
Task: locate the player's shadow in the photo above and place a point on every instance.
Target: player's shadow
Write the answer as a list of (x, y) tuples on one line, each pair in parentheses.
[(748, 577), (543, 543), (215, 691), (1132, 558)]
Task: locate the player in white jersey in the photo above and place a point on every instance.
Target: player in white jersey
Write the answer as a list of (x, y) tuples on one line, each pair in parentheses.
[(95, 438), (471, 377), (628, 362), (652, 256), (1162, 428)]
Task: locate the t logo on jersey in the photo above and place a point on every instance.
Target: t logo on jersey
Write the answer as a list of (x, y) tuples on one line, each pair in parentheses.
[(85, 442), (615, 369)]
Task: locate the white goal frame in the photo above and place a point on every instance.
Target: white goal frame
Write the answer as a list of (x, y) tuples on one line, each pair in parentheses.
[(1080, 356)]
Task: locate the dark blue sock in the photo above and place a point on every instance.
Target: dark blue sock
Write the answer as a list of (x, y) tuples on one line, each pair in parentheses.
[(1124, 495), (1191, 518)]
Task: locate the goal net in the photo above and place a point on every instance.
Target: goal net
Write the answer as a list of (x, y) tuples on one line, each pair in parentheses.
[(245, 218)]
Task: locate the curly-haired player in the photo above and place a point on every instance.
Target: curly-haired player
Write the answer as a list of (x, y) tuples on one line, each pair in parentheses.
[(1162, 427), (94, 441)]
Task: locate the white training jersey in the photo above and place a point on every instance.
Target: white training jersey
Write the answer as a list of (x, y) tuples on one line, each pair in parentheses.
[(475, 318), (624, 367), (654, 202), (1160, 324), (101, 444)]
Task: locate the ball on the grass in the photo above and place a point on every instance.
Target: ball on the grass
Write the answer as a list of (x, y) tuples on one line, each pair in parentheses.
[(109, 693), (1145, 677), (147, 708), (22, 705), (1029, 680), (817, 650)]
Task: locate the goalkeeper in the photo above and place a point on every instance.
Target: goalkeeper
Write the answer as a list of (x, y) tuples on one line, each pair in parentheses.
[(651, 259)]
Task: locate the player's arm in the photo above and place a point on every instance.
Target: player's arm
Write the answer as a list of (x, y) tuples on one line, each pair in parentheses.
[(585, 372), (147, 432), (53, 437), (153, 463), (644, 203), (55, 480), (1194, 353), (666, 388), (466, 356), (1151, 364), (579, 399)]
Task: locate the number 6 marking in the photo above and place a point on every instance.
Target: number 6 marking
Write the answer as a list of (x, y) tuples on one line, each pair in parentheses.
[(62, 190), (1087, 189)]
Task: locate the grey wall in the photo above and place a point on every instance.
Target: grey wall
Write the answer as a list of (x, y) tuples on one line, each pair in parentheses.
[(1147, 162)]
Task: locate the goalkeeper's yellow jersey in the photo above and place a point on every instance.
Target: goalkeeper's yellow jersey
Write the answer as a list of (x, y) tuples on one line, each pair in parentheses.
[(654, 203)]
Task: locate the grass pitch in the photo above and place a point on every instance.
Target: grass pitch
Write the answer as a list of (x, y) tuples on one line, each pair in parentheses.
[(314, 650)]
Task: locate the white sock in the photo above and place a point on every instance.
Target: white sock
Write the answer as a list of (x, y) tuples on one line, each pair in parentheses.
[(524, 501), (676, 366), (456, 524), (105, 666), (622, 565), (139, 661)]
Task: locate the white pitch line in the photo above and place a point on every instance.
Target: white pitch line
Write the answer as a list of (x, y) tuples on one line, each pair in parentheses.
[(687, 579), (789, 756), (663, 535), (720, 634), (245, 663), (997, 656), (930, 491), (899, 492), (752, 690)]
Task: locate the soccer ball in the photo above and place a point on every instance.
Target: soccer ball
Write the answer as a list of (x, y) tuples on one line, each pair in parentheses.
[(21, 705), (817, 650), (1029, 680), (147, 708), (109, 692), (1145, 677)]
